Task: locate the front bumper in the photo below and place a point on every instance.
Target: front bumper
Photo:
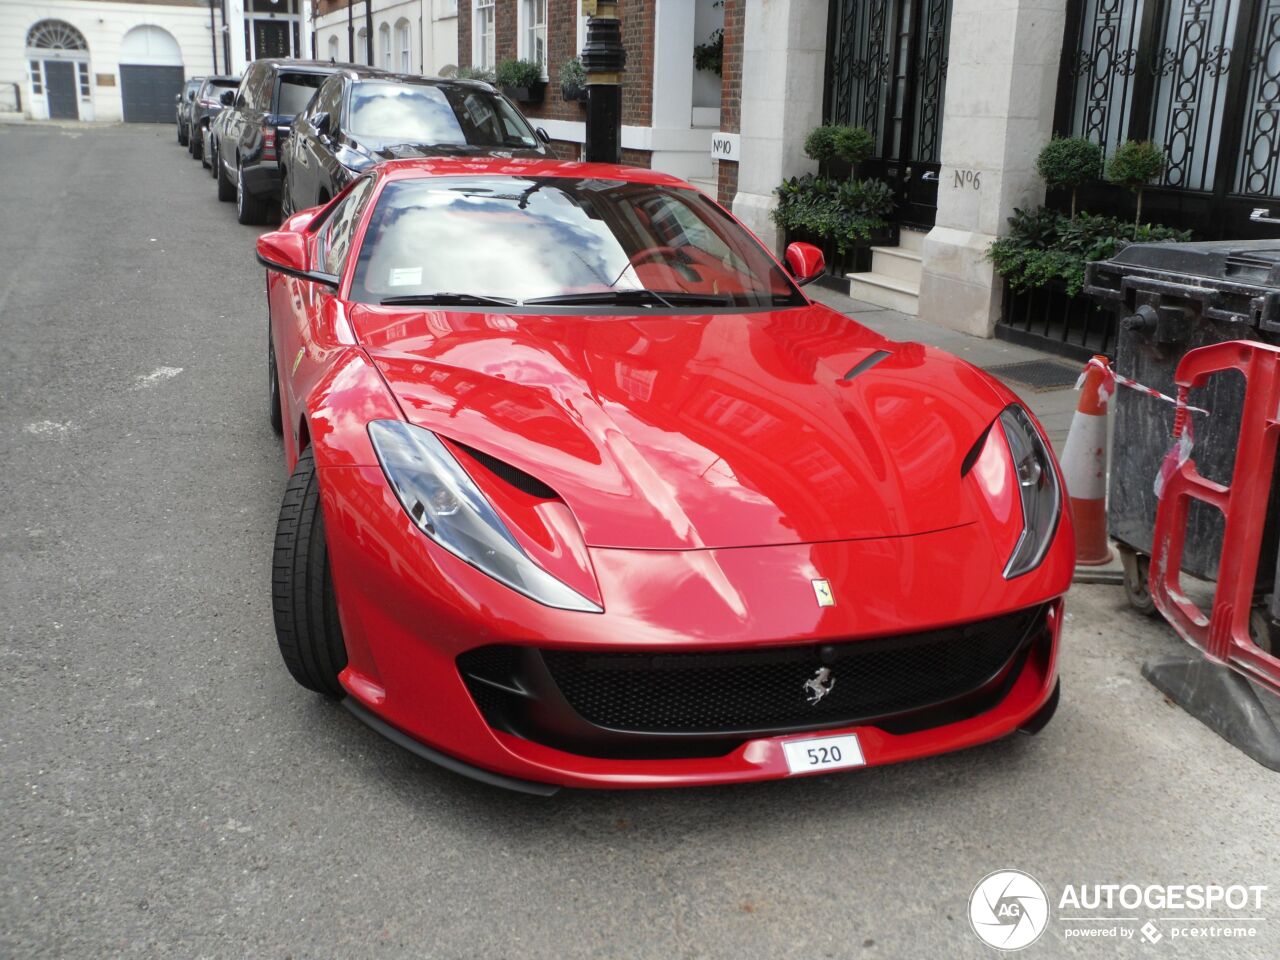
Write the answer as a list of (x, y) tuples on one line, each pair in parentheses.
[(410, 610)]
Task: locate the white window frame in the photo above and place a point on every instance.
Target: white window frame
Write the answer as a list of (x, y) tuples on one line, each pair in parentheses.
[(334, 47), (404, 41), (484, 50), (528, 29), (384, 38), (362, 47)]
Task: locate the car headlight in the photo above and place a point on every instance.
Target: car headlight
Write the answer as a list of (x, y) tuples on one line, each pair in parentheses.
[(447, 506), (1038, 490)]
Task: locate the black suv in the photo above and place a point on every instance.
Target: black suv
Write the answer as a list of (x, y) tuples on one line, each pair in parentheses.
[(271, 94), (183, 112), (362, 116), (205, 106)]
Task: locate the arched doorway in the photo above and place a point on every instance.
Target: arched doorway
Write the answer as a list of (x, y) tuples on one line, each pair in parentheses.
[(58, 65), (150, 74)]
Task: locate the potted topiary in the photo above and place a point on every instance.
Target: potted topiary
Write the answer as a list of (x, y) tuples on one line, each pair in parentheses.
[(521, 80), (1135, 164), (573, 80), (1070, 162), (839, 148)]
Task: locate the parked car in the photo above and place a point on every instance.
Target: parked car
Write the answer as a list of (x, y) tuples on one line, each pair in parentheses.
[(206, 105), (271, 94), (360, 117), (585, 491), (214, 134), (183, 109)]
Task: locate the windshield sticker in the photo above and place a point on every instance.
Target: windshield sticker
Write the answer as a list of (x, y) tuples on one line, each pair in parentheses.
[(405, 277)]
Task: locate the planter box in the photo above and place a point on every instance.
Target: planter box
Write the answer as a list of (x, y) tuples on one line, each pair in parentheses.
[(575, 94), (534, 93)]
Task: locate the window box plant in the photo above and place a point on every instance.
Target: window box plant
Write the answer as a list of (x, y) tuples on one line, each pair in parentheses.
[(521, 80), (573, 80)]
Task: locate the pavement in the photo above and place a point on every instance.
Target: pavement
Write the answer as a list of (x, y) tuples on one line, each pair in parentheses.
[(169, 791)]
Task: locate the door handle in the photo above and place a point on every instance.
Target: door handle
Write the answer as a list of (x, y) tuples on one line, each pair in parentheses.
[(1263, 215)]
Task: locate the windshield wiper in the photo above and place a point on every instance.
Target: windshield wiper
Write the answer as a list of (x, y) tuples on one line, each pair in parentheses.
[(667, 298), (430, 299)]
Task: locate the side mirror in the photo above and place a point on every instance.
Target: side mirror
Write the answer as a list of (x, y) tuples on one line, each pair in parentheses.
[(543, 135), (177, 98), (228, 98), (805, 261), (320, 122), (286, 252)]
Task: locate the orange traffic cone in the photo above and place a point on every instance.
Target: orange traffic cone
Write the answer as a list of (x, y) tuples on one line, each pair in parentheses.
[(1084, 465)]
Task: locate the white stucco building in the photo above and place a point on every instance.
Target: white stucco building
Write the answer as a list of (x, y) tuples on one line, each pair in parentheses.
[(409, 36)]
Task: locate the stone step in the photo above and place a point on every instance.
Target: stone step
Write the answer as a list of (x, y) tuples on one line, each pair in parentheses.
[(897, 262), (883, 291), (912, 240)]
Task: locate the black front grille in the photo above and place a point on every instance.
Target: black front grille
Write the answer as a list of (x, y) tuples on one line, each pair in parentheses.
[(765, 689), (587, 697)]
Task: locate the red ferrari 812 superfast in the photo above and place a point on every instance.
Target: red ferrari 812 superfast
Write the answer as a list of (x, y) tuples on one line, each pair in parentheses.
[(586, 492)]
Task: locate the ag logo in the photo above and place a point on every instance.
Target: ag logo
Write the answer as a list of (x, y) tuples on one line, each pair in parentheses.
[(1008, 910)]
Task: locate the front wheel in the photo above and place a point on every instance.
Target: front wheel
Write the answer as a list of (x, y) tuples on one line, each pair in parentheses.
[(274, 413), (286, 199), (303, 599), (226, 189), (249, 209)]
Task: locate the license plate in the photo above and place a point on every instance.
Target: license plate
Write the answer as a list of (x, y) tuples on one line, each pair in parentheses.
[(823, 753)]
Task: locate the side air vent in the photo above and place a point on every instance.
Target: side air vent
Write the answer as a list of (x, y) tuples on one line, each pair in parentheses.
[(512, 475)]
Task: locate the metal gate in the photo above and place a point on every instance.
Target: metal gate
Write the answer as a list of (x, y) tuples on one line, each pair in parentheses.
[(887, 72), (147, 92), (1199, 77)]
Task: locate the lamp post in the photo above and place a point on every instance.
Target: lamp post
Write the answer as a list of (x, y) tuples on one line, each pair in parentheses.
[(368, 32), (351, 33), (604, 58)]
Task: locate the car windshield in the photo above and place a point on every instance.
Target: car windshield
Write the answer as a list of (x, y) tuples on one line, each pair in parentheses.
[(296, 91), (561, 241), (391, 113)]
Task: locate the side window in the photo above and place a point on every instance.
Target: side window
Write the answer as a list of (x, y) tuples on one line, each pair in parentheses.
[(246, 87), (260, 95), (330, 101), (341, 228)]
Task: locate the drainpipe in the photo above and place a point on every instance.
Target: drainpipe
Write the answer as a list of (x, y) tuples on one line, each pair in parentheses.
[(213, 36), (604, 58), (351, 34), (368, 30)]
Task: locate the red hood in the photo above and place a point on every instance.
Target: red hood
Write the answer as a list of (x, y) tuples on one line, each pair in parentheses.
[(679, 431)]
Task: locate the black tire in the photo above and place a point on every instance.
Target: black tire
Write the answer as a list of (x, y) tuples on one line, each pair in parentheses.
[(249, 209), (197, 143), (182, 135), (213, 160), (273, 390), (226, 189), (286, 202), (306, 607)]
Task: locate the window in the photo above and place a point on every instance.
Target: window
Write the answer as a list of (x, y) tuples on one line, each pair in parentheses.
[(390, 112), (533, 32), (83, 72), (362, 47), (526, 238), (405, 45), (37, 78), (333, 47), (483, 52), (384, 34), (341, 228), (296, 91)]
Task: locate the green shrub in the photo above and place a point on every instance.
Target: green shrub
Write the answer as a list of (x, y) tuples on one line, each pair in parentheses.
[(475, 73), (518, 73), (1070, 162), (835, 141), (841, 212), (573, 73), (1044, 245), (710, 55), (1135, 164)]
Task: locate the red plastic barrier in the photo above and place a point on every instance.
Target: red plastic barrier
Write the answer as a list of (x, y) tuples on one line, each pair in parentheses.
[(1223, 635)]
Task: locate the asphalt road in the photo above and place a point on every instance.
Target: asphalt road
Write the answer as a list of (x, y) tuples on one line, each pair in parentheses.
[(168, 791)]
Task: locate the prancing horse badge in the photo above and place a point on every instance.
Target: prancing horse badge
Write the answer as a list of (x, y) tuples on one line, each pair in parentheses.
[(822, 590)]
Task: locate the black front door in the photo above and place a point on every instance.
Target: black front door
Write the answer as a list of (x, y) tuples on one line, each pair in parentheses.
[(271, 38), (60, 89), (887, 71)]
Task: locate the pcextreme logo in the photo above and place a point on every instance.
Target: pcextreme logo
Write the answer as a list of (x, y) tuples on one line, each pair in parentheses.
[(1009, 910)]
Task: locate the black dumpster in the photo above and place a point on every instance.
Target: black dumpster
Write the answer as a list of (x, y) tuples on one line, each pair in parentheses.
[(1170, 298)]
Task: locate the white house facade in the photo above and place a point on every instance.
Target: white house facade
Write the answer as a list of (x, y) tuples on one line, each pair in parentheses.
[(409, 36)]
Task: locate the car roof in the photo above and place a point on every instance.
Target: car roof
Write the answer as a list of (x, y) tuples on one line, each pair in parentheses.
[(416, 79), (305, 66), (224, 79), (427, 167)]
